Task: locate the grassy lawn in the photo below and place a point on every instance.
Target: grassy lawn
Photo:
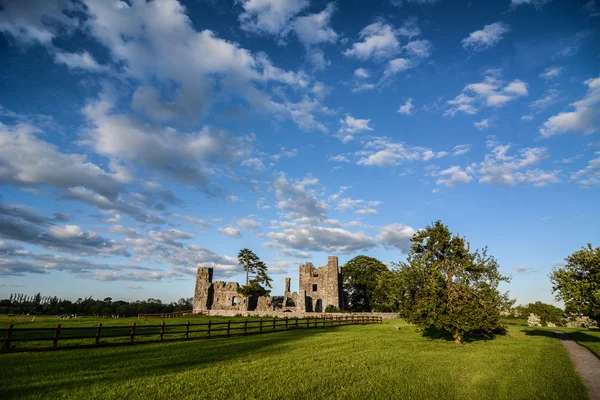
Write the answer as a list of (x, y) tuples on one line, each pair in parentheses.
[(588, 338), (351, 362)]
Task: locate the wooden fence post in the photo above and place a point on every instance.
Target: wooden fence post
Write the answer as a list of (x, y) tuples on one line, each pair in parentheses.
[(245, 327), (286, 322), (56, 335), (98, 334), (187, 329), (308, 322), (274, 319), (162, 330), (132, 334), (209, 324), (7, 338), (296, 322), (228, 327), (260, 331)]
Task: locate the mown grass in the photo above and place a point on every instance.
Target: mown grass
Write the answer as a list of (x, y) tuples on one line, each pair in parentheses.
[(588, 338), (349, 362)]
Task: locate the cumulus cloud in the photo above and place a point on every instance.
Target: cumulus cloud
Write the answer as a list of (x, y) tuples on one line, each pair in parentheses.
[(37, 20), (314, 29), (24, 224), (583, 119), (501, 168), (452, 176), (318, 238), (483, 124), (351, 126), (536, 3), (485, 38), (297, 200), (382, 152), (230, 231), (362, 73), (248, 223), (590, 175), (492, 92), (406, 108), (269, 16), (396, 236)]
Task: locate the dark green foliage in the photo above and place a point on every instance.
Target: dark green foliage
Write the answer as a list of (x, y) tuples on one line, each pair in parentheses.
[(52, 305), (260, 283), (361, 275), (577, 284), (332, 309), (546, 312), (446, 286)]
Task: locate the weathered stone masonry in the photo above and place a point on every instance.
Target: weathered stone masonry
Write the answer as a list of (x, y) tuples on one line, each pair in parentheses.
[(318, 288)]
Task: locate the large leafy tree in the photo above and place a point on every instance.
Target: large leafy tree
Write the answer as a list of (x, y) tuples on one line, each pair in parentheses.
[(447, 286), (257, 281), (361, 275), (577, 284), (546, 312)]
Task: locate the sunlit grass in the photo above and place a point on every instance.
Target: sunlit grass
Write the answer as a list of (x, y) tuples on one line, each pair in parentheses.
[(362, 362)]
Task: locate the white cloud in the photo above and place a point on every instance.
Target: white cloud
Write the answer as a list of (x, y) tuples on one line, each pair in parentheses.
[(296, 199), (339, 158), (490, 93), (454, 175), (362, 73), (483, 124), (269, 16), (551, 72), (248, 223), (485, 38), (83, 61), (590, 9), (399, 3), (583, 120), (461, 149), (229, 231), (524, 270), (550, 97), (536, 3), (351, 126), (232, 199), (406, 108), (500, 168), (379, 42), (37, 20), (382, 152), (317, 238), (590, 175), (397, 236), (255, 163), (314, 28), (527, 117)]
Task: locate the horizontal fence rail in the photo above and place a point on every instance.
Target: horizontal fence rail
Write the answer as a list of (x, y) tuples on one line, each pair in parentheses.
[(81, 337)]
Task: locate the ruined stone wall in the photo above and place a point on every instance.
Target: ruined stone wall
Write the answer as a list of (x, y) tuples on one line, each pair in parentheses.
[(323, 285), (226, 297), (203, 293), (295, 314)]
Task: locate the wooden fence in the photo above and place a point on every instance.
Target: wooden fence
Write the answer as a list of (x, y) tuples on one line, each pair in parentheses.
[(167, 315), (81, 337)]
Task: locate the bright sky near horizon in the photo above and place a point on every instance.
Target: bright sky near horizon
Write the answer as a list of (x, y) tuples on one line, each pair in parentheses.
[(140, 140)]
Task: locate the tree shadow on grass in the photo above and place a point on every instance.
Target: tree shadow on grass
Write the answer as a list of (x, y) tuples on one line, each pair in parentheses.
[(540, 332), (433, 333), (70, 370)]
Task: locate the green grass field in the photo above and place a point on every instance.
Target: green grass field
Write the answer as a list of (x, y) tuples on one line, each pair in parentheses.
[(349, 362)]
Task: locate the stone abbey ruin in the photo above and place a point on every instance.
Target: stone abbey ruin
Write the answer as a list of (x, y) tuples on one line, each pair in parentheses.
[(318, 288)]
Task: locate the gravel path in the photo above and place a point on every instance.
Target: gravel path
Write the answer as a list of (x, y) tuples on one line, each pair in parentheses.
[(586, 363)]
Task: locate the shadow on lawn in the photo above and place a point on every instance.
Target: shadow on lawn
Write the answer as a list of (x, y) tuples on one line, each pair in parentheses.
[(578, 336), (71, 370), (438, 334)]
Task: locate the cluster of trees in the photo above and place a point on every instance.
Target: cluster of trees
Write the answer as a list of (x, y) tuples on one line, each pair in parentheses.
[(52, 305), (443, 285)]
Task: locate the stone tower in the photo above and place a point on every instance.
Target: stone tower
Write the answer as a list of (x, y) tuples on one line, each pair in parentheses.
[(323, 286), (203, 295)]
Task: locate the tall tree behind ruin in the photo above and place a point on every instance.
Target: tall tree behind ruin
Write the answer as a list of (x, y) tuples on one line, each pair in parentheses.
[(260, 283), (360, 281)]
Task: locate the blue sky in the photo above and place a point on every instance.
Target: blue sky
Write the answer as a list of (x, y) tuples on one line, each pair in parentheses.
[(140, 140)]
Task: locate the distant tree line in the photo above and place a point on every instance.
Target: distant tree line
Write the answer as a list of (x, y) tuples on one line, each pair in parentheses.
[(19, 303)]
